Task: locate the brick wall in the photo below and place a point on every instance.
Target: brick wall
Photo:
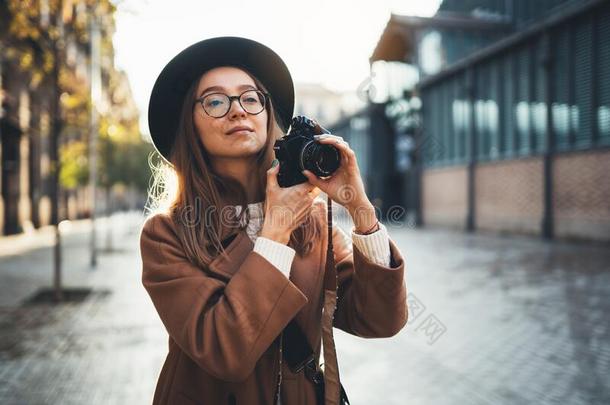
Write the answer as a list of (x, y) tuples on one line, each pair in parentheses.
[(581, 182), (444, 198), (509, 195)]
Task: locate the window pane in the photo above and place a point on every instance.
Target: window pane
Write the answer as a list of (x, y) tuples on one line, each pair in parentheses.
[(583, 89), (603, 75)]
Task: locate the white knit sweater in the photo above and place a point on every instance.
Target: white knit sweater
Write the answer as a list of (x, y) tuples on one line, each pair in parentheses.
[(375, 246)]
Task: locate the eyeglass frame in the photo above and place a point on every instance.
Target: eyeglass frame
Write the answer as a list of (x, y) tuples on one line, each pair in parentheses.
[(231, 98)]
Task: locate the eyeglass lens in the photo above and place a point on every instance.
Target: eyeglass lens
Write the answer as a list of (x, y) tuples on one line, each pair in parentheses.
[(218, 104)]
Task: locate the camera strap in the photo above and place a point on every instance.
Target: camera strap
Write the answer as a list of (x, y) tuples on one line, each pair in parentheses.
[(298, 352), (332, 383)]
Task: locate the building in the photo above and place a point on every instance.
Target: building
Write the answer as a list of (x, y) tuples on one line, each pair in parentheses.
[(516, 114), (319, 102)]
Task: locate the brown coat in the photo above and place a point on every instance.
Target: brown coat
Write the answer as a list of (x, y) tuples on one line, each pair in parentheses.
[(224, 321)]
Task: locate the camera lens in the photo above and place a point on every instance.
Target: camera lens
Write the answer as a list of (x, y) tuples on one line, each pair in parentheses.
[(320, 159)]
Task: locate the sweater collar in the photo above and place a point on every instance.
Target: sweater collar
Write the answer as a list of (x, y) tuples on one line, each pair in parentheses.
[(255, 209)]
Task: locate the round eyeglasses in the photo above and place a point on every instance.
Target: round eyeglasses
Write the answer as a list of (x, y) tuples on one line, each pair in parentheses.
[(217, 105)]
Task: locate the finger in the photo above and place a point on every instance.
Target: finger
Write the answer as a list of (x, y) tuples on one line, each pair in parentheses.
[(327, 138), (336, 141), (348, 156), (342, 145), (272, 177), (313, 179)]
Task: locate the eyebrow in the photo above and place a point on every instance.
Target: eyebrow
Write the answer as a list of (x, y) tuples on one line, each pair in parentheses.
[(240, 87)]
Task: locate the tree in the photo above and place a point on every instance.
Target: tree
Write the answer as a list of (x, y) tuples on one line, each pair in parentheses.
[(36, 36)]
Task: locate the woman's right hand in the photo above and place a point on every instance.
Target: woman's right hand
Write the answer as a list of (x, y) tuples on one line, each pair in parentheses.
[(286, 208)]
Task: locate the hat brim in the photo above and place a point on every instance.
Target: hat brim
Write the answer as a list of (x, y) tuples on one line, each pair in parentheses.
[(170, 88)]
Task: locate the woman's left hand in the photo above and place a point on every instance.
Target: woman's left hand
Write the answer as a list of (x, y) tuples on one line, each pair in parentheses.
[(344, 186)]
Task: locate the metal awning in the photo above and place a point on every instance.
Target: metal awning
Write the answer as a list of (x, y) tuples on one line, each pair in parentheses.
[(399, 38)]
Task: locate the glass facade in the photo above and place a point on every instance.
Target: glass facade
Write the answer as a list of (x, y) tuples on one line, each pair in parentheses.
[(506, 108)]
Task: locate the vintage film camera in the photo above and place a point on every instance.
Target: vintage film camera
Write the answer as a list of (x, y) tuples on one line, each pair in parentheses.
[(298, 150)]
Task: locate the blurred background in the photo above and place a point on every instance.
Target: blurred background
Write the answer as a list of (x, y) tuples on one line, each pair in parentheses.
[(482, 131)]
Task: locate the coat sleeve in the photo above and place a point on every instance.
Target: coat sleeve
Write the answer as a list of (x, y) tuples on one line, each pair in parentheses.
[(371, 299), (224, 327)]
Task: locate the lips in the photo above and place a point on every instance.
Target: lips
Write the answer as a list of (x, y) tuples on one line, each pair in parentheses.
[(239, 128)]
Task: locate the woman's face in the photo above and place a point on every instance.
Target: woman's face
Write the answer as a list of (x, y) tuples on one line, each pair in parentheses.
[(213, 132)]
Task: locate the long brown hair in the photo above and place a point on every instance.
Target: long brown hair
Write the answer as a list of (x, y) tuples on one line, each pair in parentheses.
[(192, 193)]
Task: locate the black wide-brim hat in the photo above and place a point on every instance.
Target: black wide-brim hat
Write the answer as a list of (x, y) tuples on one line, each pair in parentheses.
[(168, 93)]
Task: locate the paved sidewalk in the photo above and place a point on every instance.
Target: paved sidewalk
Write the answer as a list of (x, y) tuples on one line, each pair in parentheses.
[(107, 350), (493, 320)]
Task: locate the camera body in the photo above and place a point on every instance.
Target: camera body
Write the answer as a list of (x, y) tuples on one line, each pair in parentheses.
[(298, 150)]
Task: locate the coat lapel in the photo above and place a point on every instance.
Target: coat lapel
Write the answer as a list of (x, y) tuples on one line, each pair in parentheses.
[(306, 273), (237, 250), (237, 245)]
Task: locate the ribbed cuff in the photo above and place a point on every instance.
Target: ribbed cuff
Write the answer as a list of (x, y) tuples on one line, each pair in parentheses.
[(374, 246), (276, 253)]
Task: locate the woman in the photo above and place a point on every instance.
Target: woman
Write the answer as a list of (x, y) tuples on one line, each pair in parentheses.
[(226, 280)]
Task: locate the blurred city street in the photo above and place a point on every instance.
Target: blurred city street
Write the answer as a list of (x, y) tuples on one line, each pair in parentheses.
[(493, 320), (105, 350), (480, 133)]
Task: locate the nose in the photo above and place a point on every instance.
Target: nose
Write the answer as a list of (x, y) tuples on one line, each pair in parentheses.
[(236, 110)]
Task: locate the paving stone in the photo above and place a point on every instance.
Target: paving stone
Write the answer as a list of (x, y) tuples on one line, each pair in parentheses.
[(523, 321)]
